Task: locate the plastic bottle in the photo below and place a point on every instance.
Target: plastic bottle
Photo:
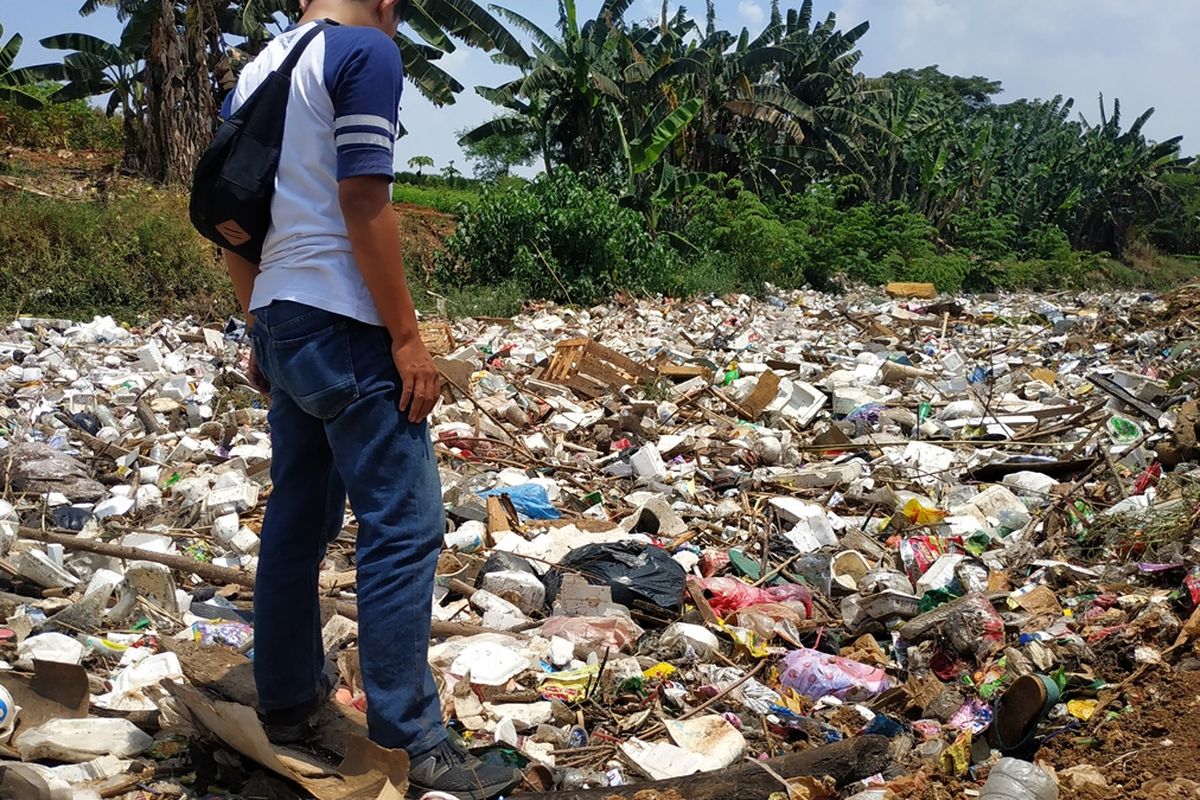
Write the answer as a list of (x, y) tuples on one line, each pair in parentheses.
[(1013, 779)]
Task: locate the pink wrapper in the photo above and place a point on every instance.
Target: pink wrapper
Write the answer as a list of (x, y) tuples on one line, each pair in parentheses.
[(815, 674)]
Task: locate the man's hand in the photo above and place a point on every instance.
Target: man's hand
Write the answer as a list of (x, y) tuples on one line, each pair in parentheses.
[(420, 382), (256, 377)]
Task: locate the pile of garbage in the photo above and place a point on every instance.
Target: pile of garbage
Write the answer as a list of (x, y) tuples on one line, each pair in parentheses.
[(816, 546)]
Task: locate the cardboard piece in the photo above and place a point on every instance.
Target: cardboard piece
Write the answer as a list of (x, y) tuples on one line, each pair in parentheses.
[(923, 291), (367, 771)]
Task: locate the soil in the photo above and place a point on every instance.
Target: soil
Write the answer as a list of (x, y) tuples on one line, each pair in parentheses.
[(423, 232), (1151, 750)]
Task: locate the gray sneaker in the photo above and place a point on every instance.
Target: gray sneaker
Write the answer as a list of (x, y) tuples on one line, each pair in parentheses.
[(450, 768)]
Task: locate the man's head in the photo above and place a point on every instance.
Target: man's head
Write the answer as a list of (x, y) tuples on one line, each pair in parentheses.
[(386, 15)]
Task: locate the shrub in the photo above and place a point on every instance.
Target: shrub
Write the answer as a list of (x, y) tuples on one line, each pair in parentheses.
[(743, 240), (135, 255), (559, 239), (870, 242), (72, 125), (983, 232)]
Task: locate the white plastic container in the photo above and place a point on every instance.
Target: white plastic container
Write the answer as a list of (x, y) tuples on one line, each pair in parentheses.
[(8, 714), (1013, 779)]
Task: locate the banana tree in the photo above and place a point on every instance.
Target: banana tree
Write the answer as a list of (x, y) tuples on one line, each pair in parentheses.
[(187, 64), (16, 85), (96, 67), (568, 88)]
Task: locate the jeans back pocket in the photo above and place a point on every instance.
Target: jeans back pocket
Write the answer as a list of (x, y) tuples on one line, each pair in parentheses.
[(314, 364)]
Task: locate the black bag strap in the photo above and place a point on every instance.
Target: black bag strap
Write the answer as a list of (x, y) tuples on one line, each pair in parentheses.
[(293, 58)]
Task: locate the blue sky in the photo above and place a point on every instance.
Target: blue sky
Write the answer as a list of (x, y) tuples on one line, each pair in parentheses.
[(1143, 53)]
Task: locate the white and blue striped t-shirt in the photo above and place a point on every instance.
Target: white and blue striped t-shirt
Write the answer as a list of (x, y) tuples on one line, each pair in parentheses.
[(341, 123)]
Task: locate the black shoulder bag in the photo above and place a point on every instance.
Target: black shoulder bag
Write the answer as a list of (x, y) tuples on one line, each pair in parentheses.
[(235, 179)]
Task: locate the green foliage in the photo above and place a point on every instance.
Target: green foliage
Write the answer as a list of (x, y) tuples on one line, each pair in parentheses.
[(502, 299), (983, 231), (494, 157), (72, 125), (437, 196), (15, 84), (559, 239), (135, 255)]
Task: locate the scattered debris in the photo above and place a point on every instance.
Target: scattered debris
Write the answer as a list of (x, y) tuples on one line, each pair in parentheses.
[(858, 546)]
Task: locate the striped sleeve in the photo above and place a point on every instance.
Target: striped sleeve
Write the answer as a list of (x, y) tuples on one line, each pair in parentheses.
[(364, 76)]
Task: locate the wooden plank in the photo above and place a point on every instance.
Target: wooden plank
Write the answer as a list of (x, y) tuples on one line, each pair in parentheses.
[(923, 291), (764, 393), (684, 372), (593, 367), (635, 368)]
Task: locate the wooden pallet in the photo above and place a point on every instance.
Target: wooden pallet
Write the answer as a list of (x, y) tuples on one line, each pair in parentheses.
[(592, 369), (437, 336)]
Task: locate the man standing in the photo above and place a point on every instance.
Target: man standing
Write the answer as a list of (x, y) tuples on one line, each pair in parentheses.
[(336, 344)]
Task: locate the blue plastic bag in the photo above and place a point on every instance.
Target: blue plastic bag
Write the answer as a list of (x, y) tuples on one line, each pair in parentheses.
[(529, 499)]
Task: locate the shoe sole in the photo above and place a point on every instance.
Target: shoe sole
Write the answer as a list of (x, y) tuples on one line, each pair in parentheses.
[(478, 793)]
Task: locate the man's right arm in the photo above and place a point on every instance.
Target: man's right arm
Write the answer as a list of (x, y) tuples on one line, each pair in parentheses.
[(375, 240), (365, 78)]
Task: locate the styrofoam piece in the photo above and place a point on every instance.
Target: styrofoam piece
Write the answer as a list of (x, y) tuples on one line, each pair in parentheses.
[(662, 761), (237, 498), (848, 568), (245, 541), (150, 357), (712, 736), (811, 529), (1001, 507), (489, 663), (225, 527), (688, 639), (36, 566), (115, 506), (799, 401), (825, 475), (648, 463), (656, 517), (931, 463), (129, 687), (498, 613), (1031, 484), (154, 582), (940, 574), (848, 397), (467, 538)]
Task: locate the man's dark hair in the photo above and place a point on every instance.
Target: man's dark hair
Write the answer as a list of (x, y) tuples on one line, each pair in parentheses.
[(402, 10)]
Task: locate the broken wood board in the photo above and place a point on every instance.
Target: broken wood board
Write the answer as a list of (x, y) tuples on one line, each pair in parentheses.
[(231, 675), (592, 369), (765, 392), (54, 691), (437, 337), (684, 372)]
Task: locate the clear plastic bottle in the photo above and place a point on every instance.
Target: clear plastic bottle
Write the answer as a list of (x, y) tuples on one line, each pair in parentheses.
[(1014, 779)]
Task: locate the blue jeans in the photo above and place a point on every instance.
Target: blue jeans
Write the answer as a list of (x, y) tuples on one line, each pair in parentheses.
[(336, 430)]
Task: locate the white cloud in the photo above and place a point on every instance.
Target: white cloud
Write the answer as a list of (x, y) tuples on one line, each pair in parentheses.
[(751, 12)]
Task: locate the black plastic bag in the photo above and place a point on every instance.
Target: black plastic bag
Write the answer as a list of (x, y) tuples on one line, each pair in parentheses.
[(504, 562), (634, 571)]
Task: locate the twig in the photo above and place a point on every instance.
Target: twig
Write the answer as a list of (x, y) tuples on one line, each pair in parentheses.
[(721, 695)]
